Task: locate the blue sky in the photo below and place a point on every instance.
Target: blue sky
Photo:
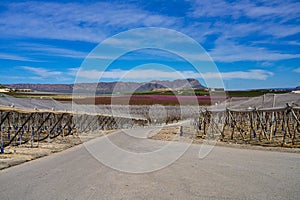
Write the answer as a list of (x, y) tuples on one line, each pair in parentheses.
[(255, 44)]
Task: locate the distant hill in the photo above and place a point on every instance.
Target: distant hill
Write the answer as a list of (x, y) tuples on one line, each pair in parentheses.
[(109, 87), (297, 88)]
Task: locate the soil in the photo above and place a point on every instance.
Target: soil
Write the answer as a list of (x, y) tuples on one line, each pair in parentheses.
[(172, 133), (15, 155)]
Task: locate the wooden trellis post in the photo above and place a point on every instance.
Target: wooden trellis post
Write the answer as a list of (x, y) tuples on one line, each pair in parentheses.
[(4, 118), (295, 125), (272, 117), (15, 135)]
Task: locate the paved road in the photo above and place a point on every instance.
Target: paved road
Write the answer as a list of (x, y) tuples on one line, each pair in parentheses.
[(226, 173)]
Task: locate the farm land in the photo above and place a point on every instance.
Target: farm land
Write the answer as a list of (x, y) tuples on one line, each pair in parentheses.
[(272, 129)]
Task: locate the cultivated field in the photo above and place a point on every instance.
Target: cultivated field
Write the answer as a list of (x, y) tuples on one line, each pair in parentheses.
[(268, 120)]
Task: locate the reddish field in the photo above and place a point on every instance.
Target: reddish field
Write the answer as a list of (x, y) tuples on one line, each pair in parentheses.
[(148, 100)]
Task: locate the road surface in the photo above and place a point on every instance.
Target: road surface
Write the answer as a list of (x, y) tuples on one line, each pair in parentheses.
[(226, 173)]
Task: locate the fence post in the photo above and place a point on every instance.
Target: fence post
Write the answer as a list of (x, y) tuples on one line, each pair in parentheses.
[(181, 131)]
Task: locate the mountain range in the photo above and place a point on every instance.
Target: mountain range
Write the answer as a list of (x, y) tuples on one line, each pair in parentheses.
[(111, 87)]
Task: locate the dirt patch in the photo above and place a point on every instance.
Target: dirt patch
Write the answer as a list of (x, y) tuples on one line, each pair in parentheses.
[(166, 134), (189, 134), (172, 133), (15, 155)]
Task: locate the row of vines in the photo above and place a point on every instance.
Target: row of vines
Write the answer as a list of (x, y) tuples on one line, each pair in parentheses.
[(272, 127)]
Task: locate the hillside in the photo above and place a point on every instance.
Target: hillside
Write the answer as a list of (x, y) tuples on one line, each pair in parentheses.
[(109, 87)]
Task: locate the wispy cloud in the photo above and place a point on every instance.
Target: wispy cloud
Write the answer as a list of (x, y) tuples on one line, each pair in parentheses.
[(269, 9), (249, 19), (228, 51), (48, 50), (251, 74), (248, 30), (140, 75), (94, 22), (262, 10), (42, 72), (280, 30), (297, 70), (75, 21), (146, 74), (14, 57), (257, 33)]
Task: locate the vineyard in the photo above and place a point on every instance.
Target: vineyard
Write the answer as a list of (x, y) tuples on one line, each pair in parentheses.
[(31, 121), (269, 119)]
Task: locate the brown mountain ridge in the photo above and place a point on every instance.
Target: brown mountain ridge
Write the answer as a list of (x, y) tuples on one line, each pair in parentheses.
[(111, 87)]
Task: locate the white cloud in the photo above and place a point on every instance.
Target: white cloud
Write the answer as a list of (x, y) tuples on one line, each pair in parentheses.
[(255, 26), (269, 18), (297, 70), (95, 21), (75, 21), (251, 74), (89, 74), (280, 30), (72, 71), (146, 74), (210, 8), (283, 10), (42, 72), (227, 51), (14, 57), (52, 51), (131, 74), (93, 75), (266, 9)]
